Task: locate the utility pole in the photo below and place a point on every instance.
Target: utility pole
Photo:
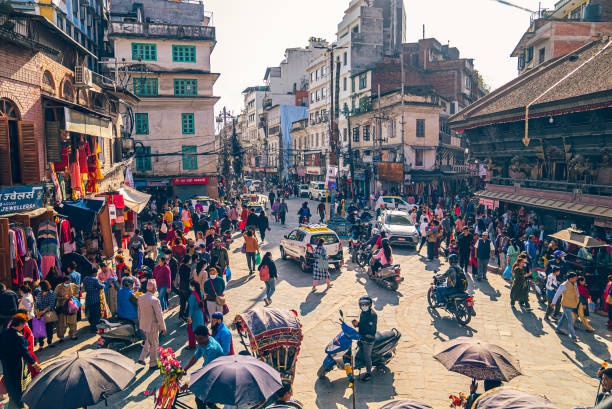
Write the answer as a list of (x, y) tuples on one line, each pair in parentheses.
[(403, 151)]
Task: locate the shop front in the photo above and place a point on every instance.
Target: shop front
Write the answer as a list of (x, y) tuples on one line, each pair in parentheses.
[(189, 187)]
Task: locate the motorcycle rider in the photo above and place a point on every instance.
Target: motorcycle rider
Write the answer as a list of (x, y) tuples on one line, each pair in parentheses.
[(557, 261), (383, 258), (127, 301), (367, 333), (137, 245), (304, 212), (358, 229), (452, 284), (226, 224)]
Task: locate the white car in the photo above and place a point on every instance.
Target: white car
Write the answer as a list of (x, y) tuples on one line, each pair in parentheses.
[(316, 191), (205, 201), (300, 244), (303, 190), (394, 203), (398, 227)]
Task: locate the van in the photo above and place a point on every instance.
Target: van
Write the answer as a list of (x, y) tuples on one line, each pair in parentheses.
[(316, 191)]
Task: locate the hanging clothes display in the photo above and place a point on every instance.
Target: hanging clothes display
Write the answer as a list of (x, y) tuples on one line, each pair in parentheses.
[(48, 246)]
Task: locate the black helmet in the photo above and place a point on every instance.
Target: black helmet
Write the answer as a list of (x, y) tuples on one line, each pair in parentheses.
[(365, 301), (453, 259), (127, 282), (384, 241)]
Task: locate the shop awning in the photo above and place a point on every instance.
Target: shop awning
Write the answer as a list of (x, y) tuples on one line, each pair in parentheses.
[(578, 237), (586, 210), (81, 122), (80, 213), (134, 200)]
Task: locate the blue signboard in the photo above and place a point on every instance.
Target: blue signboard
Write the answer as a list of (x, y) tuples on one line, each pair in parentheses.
[(19, 198), (332, 185)]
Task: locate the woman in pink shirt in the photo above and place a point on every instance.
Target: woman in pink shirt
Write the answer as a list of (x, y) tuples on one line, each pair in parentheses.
[(163, 277), (383, 257)]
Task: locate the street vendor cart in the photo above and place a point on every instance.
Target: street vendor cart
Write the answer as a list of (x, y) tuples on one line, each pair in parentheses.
[(273, 336)]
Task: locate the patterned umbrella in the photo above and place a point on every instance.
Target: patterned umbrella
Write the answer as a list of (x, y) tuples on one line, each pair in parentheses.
[(478, 360), (406, 404), (502, 398)]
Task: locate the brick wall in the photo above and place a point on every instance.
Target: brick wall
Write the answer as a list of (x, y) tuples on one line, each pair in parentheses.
[(20, 81)]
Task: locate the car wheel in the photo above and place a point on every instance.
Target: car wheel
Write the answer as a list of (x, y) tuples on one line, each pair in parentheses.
[(304, 265), (283, 255)]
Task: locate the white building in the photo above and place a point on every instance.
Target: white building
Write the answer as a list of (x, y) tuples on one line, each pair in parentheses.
[(164, 57)]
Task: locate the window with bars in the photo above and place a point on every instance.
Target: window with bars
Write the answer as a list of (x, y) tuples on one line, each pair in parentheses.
[(187, 123), (184, 88), (142, 123), (420, 128), (356, 134), (143, 158), (183, 53), (190, 157), (363, 81), (144, 52), (145, 86), (366, 133)]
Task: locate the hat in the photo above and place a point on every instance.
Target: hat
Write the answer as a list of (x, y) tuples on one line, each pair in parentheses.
[(571, 275), (485, 233), (217, 315)]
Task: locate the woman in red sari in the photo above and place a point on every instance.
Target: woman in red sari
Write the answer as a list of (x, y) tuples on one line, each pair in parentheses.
[(27, 333)]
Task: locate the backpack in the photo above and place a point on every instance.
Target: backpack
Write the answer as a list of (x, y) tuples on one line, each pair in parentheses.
[(264, 273), (461, 283)]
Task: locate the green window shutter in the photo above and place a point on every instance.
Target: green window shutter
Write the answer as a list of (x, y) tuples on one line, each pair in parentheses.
[(143, 158), (185, 87), (190, 158), (187, 123), (144, 52), (183, 53), (142, 123), (145, 86)]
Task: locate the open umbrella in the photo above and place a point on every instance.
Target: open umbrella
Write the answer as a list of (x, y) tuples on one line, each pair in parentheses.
[(578, 237), (406, 404), (235, 380), (79, 379), (478, 360), (502, 398)]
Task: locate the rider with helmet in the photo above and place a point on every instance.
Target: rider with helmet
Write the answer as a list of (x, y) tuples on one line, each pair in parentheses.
[(358, 229), (557, 261), (383, 258), (304, 212), (367, 333), (127, 301), (452, 284)]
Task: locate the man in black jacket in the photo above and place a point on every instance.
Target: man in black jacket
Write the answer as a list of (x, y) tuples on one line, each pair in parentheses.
[(8, 306), (464, 242), (367, 333), (150, 239)]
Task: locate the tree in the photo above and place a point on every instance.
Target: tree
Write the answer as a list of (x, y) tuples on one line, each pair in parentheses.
[(236, 153), (481, 82)]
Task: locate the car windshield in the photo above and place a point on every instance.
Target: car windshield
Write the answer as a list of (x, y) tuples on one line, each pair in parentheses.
[(303, 186), (328, 238), (398, 220)]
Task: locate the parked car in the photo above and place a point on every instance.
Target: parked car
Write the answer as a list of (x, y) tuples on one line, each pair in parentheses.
[(303, 190), (399, 228), (300, 245), (394, 203), (205, 201), (316, 191)]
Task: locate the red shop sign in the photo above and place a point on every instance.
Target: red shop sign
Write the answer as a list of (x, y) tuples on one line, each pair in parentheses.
[(190, 181)]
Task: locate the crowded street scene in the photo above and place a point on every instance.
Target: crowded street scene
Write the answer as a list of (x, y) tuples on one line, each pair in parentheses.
[(405, 213)]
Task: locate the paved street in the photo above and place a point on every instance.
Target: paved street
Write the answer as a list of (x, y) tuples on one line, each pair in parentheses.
[(551, 365)]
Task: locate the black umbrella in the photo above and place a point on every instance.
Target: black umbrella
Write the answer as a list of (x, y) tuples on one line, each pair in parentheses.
[(503, 398), (83, 265), (235, 380), (406, 404), (79, 379)]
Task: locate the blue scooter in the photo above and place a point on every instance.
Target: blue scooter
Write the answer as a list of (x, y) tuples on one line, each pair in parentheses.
[(340, 348)]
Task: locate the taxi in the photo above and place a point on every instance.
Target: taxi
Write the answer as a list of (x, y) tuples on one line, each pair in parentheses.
[(300, 245), (258, 207), (205, 201)]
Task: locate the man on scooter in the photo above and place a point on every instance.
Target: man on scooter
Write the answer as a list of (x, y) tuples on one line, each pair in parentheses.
[(304, 212), (127, 301), (367, 333), (451, 286)]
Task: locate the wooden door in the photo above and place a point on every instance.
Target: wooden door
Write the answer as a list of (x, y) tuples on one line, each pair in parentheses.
[(6, 177), (28, 153)]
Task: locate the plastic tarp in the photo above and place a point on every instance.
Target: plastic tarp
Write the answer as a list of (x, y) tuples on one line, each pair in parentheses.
[(134, 200), (80, 213)]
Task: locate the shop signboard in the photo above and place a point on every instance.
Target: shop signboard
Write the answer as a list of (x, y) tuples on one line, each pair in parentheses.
[(190, 181), (489, 203), (19, 198), (313, 170), (330, 177), (301, 171)]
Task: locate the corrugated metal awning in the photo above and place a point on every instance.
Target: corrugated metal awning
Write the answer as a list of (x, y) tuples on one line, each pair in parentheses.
[(582, 209)]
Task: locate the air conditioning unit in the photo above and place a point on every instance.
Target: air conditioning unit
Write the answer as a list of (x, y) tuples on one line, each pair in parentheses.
[(82, 76)]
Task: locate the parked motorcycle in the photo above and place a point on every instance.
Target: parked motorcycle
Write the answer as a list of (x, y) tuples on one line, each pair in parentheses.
[(388, 276), (117, 334), (338, 351), (461, 305), (227, 238), (540, 287)]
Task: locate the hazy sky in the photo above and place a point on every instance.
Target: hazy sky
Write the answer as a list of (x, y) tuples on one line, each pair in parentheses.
[(253, 35)]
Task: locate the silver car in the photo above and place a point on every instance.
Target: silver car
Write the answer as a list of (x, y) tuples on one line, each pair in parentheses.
[(398, 227)]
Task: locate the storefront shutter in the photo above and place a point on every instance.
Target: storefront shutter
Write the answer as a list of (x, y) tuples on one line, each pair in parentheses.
[(6, 178), (5, 262), (28, 153), (53, 141)]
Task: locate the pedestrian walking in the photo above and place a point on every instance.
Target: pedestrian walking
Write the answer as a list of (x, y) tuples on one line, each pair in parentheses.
[(14, 355), (464, 241), (423, 233), (484, 251), (568, 292), (214, 289), (93, 307), (45, 308), (520, 284), (184, 286), (150, 238), (275, 208), (320, 268), (221, 333), (321, 211), (583, 301), (268, 274), (151, 321), (282, 211), (195, 312), (551, 289), (250, 247), (263, 224), (8, 306), (163, 279), (512, 253), (67, 309)]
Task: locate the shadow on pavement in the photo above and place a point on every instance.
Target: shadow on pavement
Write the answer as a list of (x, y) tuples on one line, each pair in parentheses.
[(486, 289), (530, 322), (331, 394), (447, 325), (311, 301), (380, 296)]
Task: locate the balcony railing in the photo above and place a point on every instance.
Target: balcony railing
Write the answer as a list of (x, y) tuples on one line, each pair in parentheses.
[(162, 30), (454, 168), (586, 188)]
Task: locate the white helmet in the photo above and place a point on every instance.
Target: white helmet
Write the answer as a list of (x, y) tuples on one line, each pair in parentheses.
[(375, 231)]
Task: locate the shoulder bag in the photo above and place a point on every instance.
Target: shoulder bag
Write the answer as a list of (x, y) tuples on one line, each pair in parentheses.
[(219, 299), (50, 316)]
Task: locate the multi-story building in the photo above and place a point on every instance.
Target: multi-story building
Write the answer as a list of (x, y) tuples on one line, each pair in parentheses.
[(569, 26), (162, 52)]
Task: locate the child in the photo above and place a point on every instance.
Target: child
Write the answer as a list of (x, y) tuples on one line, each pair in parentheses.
[(583, 305)]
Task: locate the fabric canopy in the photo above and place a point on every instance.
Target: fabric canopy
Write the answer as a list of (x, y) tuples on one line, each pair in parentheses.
[(134, 200), (578, 238), (81, 213)]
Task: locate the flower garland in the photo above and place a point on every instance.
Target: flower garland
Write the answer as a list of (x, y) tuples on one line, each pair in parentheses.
[(170, 368), (457, 401)]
